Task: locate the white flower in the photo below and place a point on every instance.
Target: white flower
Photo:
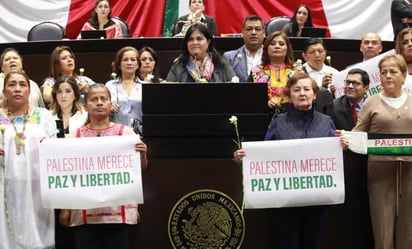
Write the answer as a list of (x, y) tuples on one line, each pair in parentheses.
[(81, 70), (235, 79), (329, 60), (2, 129), (2, 75), (150, 76), (299, 61), (113, 75), (233, 120), (239, 56)]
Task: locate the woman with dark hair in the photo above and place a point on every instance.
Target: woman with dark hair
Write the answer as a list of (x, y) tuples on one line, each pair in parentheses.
[(63, 63), (66, 105), (199, 61), (24, 222), (101, 19), (275, 69), (11, 60), (148, 66), (195, 16), (301, 18)]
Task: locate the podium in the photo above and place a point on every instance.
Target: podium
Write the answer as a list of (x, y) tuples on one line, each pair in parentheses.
[(190, 147), (191, 121)]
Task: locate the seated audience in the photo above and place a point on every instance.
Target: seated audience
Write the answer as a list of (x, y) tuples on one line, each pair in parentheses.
[(301, 18), (249, 55), (11, 60), (63, 63), (196, 16), (101, 20), (199, 61)]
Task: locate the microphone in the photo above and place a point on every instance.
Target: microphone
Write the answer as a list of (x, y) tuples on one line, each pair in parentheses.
[(194, 56)]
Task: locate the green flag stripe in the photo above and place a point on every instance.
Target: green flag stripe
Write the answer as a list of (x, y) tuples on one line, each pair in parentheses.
[(404, 150), (171, 15)]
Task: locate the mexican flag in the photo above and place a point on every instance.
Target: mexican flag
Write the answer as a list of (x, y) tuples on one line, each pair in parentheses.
[(346, 19)]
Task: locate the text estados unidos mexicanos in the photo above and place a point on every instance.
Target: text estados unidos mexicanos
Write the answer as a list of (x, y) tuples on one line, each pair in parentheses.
[(275, 167), (71, 164)]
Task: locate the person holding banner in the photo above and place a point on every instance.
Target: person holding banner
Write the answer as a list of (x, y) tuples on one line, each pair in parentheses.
[(109, 227), (299, 227), (24, 223), (387, 116), (353, 216)]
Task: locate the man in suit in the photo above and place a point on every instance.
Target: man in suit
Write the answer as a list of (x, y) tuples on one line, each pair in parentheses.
[(354, 215), (401, 15), (249, 55)]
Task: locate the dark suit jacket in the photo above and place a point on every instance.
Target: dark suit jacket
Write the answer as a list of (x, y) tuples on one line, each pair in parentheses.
[(342, 114), (353, 216), (324, 102), (208, 20), (238, 60), (399, 10)]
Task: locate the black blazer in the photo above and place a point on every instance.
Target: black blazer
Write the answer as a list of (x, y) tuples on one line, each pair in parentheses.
[(208, 20), (324, 102), (399, 10), (342, 114)]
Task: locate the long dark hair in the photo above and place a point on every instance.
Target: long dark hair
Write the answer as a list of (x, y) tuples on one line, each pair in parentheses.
[(294, 22), (55, 107), (185, 56), (289, 53), (54, 64), (155, 58), (93, 19)]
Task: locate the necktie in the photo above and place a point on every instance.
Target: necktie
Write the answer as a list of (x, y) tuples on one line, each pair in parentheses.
[(354, 114)]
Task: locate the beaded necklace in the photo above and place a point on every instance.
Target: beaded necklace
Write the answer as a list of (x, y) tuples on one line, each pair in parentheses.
[(19, 136)]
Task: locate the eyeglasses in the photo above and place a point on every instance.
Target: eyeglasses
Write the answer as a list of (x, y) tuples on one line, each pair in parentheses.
[(353, 82)]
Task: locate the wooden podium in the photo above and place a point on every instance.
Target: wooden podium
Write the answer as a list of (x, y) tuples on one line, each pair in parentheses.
[(190, 147)]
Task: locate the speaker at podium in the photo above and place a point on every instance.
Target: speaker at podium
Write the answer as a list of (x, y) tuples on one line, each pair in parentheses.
[(191, 121)]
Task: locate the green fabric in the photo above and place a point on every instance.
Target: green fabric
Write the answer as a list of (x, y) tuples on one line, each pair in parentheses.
[(171, 15), (402, 150)]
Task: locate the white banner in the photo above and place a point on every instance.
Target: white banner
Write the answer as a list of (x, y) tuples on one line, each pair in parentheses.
[(82, 173), (370, 66), (292, 173)]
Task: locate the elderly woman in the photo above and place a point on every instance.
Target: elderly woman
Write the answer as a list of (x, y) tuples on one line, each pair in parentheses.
[(389, 176), (299, 227), (11, 60), (200, 62), (63, 63), (66, 104), (101, 19), (24, 223)]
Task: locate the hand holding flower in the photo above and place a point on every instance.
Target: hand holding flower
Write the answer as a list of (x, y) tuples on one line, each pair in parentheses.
[(238, 155)]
